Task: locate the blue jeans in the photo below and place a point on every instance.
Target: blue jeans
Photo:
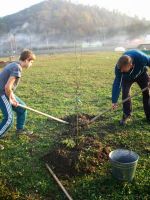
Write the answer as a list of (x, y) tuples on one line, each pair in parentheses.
[(7, 112)]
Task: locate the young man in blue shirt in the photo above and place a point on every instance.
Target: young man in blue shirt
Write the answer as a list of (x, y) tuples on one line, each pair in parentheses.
[(130, 68), (9, 79)]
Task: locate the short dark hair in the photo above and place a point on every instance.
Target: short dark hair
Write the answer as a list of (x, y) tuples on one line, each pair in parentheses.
[(27, 54), (124, 61)]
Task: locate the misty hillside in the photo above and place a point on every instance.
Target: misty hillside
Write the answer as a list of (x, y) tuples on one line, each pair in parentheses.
[(54, 21)]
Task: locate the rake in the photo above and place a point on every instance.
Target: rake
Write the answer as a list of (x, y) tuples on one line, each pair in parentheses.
[(123, 101), (44, 114)]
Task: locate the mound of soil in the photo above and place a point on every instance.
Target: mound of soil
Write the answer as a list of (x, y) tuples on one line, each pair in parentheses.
[(83, 158), (75, 153), (78, 122), (80, 119)]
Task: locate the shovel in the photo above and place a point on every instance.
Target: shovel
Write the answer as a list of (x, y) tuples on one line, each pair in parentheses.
[(44, 114), (123, 101)]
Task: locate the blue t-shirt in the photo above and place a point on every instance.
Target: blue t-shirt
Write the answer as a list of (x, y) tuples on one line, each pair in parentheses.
[(140, 61), (13, 69)]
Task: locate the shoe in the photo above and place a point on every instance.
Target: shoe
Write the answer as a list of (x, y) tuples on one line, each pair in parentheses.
[(1, 147), (125, 119), (24, 132)]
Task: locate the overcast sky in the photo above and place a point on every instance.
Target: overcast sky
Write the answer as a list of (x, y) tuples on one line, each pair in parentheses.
[(12, 6), (130, 7), (140, 8)]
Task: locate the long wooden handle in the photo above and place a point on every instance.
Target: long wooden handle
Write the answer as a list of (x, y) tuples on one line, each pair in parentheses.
[(44, 114), (123, 101), (58, 182)]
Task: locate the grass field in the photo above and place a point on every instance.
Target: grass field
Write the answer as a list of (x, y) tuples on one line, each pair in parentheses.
[(52, 86)]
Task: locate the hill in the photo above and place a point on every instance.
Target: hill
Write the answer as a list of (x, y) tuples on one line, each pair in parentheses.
[(58, 21)]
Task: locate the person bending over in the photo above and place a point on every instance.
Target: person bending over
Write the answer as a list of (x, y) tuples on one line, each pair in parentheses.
[(131, 68), (9, 80)]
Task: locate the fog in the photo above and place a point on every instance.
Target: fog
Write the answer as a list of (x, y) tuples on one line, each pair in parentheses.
[(12, 43)]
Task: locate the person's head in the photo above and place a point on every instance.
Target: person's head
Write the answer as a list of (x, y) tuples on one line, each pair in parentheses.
[(26, 58), (125, 63)]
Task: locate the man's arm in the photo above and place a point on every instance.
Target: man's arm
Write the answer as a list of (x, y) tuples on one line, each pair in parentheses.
[(9, 91), (116, 87)]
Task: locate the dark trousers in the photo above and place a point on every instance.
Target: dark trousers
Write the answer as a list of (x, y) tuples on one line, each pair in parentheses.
[(142, 81)]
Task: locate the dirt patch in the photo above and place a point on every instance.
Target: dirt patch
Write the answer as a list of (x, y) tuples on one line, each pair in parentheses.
[(77, 123), (76, 154), (84, 158), (80, 119)]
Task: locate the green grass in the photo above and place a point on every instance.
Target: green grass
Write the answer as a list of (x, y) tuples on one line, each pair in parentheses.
[(50, 86)]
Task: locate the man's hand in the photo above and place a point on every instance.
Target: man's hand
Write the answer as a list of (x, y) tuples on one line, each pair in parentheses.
[(13, 102), (114, 106)]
